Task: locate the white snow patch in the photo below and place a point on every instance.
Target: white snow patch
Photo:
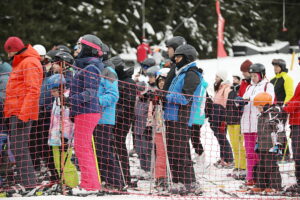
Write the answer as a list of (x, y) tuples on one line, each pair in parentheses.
[(149, 28)]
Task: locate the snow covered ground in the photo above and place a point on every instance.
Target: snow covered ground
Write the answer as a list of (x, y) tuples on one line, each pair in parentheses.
[(211, 178)]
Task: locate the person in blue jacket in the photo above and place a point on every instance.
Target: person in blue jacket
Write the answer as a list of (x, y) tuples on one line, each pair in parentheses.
[(181, 101), (85, 108), (108, 94)]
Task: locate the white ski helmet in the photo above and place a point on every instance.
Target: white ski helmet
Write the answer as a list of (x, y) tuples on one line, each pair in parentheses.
[(40, 49)]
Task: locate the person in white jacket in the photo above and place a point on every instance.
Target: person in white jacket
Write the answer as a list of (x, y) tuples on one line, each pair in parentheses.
[(250, 115)]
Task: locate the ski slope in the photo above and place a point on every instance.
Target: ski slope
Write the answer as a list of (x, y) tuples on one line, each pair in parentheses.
[(211, 179)]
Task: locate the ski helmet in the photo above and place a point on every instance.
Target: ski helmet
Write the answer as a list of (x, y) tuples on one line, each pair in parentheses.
[(175, 42), (64, 48), (91, 46), (106, 52), (147, 63), (55, 81), (63, 56), (40, 49), (281, 63), (188, 51), (152, 71), (262, 99), (258, 68)]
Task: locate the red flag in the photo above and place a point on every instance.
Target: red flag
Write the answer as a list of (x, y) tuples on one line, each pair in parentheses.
[(221, 22)]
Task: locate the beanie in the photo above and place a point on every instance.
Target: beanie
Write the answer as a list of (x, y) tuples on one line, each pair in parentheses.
[(245, 66), (13, 44), (222, 74)]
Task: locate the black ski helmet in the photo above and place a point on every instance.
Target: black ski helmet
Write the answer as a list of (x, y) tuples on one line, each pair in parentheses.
[(188, 51), (175, 42), (64, 48), (258, 68), (149, 62), (281, 63), (63, 56), (91, 46), (106, 51)]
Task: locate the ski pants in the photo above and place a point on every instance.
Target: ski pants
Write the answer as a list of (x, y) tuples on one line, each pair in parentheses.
[(108, 162), (295, 136), (178, 149), (237, 143), (251, 156), (268, 174), (83, 134), (19, 141)]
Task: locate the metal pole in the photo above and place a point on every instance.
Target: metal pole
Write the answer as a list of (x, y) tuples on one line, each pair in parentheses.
[(143, 18)]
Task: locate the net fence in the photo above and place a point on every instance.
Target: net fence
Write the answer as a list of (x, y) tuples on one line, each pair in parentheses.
[(84, 128)]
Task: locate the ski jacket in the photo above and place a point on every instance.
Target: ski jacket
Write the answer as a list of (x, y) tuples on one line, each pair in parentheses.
[(283, 86), (222, 94), (142, 52), (270, 128), (199, 113), (24, 86), (108, 95), (233, 112), (244, 84), (181, 99), (293, 107), (249, 117), (85, 85), (5, 70)]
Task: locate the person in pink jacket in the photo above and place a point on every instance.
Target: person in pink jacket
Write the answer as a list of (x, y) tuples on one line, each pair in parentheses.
[(218, 122), (250, 115)]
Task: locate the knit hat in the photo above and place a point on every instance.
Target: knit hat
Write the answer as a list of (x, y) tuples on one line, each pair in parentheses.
[(245, 66), (13, 44), (222, 74)]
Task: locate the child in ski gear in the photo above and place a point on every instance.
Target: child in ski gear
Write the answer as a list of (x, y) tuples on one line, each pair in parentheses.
[(245, 66), (250, 115), (293, 108), (61, 124), (233, 120), (270, 135)]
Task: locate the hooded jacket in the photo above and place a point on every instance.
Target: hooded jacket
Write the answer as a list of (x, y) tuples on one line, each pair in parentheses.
[(85, 85), (24, 85), (250, 115), (293, 107), (182, 99)]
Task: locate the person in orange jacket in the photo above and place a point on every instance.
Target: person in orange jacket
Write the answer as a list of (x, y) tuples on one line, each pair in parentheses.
[(21, 105)]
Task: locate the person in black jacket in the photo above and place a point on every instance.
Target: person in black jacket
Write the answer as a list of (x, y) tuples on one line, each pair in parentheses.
[(124, 114), (172, 45), (233, 120)]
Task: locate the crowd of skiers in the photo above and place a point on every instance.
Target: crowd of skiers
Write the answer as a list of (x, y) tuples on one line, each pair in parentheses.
[(52, 102)]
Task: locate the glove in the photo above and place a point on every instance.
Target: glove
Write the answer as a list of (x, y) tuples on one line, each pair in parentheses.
[(239, 101), (222, 127), (277, 149), (256, 148), (72, 118)]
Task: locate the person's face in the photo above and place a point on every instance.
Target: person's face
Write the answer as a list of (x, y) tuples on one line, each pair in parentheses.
[(255, 77), (246, 75), (236, 80), (55, 68), (171, 52), (277, 69), (11, 54), (151, 79), (260, 108), (161, 84), (79, 47), (42, 58), (218, 79), (178, 58), (55, 92)]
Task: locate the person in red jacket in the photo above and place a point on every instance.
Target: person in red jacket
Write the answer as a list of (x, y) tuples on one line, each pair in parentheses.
[(293, 108), (143, 50), (21, 105), (245, 66)]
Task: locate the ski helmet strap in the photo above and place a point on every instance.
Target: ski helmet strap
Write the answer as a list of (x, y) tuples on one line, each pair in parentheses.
[(100, 52)]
